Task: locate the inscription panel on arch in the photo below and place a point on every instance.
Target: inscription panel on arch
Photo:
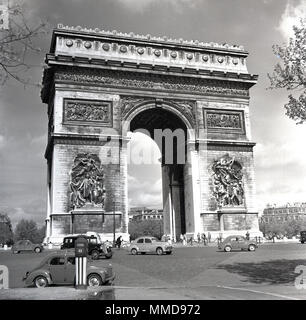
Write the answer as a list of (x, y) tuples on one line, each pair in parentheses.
[(224, 121), (87, 112)]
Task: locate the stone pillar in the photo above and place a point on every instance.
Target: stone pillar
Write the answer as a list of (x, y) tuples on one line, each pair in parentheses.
[(192, 191)]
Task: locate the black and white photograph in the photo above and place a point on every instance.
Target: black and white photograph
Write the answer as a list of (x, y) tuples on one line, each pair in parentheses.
[(152, 150)]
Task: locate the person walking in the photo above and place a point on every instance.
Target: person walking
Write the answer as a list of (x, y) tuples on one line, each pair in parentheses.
[(118, 242), (181, 238), (199, 237), (191, 240), (247, 235), (209, 237), (185, 239), (204, 239)]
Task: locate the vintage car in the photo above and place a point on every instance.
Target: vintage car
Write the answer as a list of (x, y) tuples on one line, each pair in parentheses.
[(149, 244), (237, 242), (58, 268), (96, 248), (26, 245)]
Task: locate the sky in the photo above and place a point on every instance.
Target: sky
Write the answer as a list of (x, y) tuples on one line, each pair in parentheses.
[(280, 152)]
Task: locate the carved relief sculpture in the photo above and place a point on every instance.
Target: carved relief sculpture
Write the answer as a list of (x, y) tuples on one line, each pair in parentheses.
[(227, 182), (87, 182), (87, 111), (215, 120)]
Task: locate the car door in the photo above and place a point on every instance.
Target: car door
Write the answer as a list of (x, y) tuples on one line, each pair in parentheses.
[(20, 245), (235, 243), (28, 245), (147, 245), (140, 244), (70, 270), (57, 269)]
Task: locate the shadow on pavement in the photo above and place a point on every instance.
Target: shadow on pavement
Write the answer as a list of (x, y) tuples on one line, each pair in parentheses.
[(273, 272)]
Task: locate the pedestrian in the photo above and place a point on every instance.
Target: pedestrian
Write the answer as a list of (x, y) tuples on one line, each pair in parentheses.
[(204, 239), (184, 239), (191, 240), (209, 237), (181, 238), (247, 235), (118, 242), (199, 237)]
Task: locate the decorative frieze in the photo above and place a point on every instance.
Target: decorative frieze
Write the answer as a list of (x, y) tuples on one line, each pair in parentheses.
[(149, 81), (224, 120), (79, 111)]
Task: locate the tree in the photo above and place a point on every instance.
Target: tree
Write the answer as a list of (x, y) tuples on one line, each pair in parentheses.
[(27, 229), (6, 231), (17, 39), (291, 73), (146, 227)]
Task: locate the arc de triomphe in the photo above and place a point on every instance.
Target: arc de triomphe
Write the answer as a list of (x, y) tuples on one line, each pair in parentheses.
[(100, 85)]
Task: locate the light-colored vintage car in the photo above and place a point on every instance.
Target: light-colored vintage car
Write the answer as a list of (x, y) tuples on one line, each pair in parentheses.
[(237, 242), (58, 268), (26, 245), (147, 244)]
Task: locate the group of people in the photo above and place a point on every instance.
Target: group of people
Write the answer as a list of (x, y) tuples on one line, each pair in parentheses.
[(201, 238)]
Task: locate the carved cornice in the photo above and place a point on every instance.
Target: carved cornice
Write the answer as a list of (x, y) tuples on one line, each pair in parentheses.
[(148, 37), (147, 81)]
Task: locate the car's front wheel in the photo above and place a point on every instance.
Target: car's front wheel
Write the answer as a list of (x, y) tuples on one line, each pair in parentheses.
[(94, 280), (227, 249), (108, 255), (41, 282), (37, 250), (134, 252), (159, 251), (95, 254), (252, 247)]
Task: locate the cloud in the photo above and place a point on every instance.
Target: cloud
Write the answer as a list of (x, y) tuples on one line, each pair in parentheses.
[(144, 193), (291, 17), (143, 5), (2, 141), (280, 169)]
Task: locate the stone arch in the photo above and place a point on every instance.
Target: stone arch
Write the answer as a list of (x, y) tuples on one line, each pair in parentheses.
[(136, 106)]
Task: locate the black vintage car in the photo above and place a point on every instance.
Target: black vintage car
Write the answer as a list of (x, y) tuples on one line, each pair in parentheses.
[(303, 236), (96, 248)]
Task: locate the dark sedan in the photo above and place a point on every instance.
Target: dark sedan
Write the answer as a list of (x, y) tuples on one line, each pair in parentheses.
[(58, 268)]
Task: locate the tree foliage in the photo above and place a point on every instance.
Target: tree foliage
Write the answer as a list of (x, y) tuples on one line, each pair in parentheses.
[(288, 228), (16, 42), (146, 227), (6, 231), (27, 230), (290, 74)]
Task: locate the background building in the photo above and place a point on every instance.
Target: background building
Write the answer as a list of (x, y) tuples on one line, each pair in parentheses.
[(273, 213), (144, 213)]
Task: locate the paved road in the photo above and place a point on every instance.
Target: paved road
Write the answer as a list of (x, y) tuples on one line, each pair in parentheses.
[(194, 273)]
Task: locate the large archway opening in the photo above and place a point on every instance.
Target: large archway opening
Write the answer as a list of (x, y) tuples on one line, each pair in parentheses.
[(167, 133)]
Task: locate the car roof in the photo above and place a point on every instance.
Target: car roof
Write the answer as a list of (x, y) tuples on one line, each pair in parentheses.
[(146, 237), (234, 236), (61, 253)]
